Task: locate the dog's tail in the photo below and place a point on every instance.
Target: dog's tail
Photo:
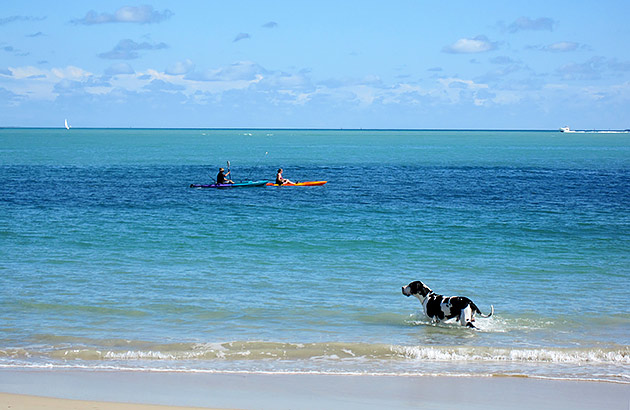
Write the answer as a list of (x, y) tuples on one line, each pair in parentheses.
[(481, 314)]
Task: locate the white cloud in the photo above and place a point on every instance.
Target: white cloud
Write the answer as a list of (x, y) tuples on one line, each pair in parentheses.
[(525, 23), (241, 36), (246, 78), (456, 90), (71, 73), (616, 65), (35, 84), (454, 82), (127, 14), (239, 71), (12, 19), (180, 67), (560, 47), (503, 60), (119, 68), (589, 70), (479, 44), (127, 49), (593, 69), (161, 85), (264, 91), (30, 72)]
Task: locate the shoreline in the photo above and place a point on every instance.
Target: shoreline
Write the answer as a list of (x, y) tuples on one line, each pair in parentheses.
[(120, 390)]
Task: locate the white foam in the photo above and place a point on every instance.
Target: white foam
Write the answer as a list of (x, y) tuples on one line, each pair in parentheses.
[(540, 355)]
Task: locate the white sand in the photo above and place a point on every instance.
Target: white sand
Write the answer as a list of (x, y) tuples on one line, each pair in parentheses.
[(278, 392), (22, 402)]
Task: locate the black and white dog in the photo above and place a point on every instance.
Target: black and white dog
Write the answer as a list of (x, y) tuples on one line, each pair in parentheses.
[(438, 307)]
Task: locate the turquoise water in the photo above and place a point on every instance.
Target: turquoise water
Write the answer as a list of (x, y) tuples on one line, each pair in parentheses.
[(109, 260)]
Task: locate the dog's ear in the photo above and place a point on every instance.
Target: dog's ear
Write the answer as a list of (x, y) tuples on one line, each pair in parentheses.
[(416, 287), (424, 289)]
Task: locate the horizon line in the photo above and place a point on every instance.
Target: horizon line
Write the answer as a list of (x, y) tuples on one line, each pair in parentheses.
[(280, 128)]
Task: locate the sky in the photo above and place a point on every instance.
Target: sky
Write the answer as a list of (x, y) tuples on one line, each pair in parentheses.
[(408, 64)]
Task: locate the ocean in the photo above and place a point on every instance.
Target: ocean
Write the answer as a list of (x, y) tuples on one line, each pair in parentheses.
[(109, 260)]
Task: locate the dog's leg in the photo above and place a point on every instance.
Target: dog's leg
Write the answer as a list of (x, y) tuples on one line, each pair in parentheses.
[(466, 317)]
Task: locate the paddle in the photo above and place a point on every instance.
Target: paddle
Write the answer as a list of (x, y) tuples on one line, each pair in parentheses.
[(229, 172)]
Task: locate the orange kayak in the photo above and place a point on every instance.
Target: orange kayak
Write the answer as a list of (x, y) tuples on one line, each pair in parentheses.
[(305, 183)]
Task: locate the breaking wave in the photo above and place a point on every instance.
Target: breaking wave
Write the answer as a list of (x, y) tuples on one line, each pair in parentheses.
[(261, 350), (599, 364)]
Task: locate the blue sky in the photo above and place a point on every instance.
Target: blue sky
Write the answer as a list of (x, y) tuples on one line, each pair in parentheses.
[(316, 64)]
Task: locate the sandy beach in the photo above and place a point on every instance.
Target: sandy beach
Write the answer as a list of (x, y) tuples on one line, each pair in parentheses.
[(24, 402), (115, 390)]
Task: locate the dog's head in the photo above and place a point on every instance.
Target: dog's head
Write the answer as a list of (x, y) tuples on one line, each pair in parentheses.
[(417, 289)]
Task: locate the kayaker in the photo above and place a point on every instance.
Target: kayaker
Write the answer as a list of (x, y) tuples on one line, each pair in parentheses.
[(280, 180), (221, 177)]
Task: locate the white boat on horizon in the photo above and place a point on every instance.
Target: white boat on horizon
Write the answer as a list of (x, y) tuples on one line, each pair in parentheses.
[(66, 124), (569, 130)]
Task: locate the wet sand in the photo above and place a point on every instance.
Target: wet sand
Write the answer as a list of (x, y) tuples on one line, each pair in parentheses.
[(119, 390)]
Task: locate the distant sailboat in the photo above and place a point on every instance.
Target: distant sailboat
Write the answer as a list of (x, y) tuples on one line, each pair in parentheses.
[(67, 126)]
